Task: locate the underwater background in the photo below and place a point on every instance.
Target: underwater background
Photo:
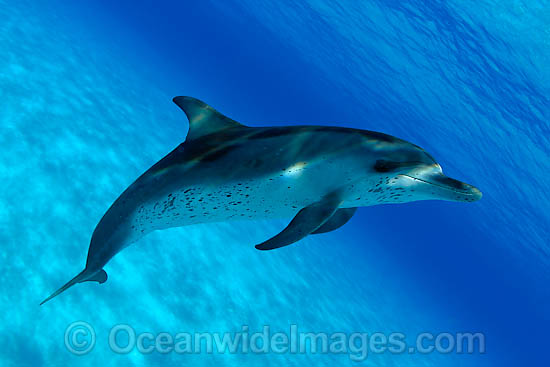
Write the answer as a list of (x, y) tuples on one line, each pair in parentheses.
[(85, 108)]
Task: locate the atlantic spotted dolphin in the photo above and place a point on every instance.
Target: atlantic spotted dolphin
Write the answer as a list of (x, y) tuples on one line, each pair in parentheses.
[(224, 170)]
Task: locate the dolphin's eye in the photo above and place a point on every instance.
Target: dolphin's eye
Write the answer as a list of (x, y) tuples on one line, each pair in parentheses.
[(385, 166)]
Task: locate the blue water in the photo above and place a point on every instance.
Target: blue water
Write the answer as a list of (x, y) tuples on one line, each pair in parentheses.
[(85, 96)]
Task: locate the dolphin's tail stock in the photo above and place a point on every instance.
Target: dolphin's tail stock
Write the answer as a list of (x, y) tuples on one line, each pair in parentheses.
[(84, 276)]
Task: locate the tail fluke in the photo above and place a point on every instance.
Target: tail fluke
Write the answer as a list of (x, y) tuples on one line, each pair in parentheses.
[(83, 276)]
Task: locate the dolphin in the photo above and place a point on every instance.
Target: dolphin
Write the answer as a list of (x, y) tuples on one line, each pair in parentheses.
[(224, 170)]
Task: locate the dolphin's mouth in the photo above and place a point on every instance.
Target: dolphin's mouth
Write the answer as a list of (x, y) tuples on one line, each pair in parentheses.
[(450, 184)]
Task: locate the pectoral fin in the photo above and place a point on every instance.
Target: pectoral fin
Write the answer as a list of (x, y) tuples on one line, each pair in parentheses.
[(305, 222), (338, 219)]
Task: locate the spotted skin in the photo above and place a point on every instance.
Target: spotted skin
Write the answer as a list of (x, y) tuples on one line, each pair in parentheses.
[(227, 171)]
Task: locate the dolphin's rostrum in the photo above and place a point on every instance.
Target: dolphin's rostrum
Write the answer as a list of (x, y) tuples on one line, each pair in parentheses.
[(224, 170)]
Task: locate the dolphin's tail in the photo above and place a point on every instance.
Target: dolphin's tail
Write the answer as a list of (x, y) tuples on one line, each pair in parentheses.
[(84, 276)]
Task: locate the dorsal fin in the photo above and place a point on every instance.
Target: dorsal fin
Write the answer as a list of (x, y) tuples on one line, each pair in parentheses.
[(203, 119)]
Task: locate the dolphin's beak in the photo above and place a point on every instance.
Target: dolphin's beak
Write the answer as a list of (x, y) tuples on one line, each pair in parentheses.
[(434, 184)]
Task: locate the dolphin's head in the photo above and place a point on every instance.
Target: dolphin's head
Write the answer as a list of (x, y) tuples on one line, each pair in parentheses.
[(410, 174)]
